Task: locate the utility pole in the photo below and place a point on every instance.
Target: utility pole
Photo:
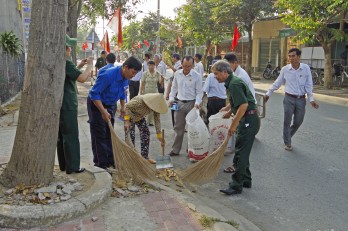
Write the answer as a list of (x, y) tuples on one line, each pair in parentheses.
[(158, 39)]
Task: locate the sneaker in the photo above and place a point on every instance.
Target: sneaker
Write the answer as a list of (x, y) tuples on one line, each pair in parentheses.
[(288, 147)]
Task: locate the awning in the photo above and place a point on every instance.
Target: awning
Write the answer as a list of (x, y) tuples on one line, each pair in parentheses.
[(286, 32)]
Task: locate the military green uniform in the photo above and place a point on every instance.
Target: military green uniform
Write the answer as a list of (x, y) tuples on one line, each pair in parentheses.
[(68, 145), (248, 127), (100, 63)]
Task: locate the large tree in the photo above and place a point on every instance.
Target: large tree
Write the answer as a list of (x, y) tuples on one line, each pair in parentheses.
[(314, 21), (243, 13), (34, 148)]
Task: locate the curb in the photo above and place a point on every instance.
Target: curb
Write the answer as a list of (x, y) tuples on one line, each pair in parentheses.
[(49, 215), (201, 209)]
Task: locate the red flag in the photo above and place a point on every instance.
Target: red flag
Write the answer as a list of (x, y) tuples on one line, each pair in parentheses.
[(179, 42), (115, 25), (236, 36), (105, 42), (146, 43), (84, 46), (139, 45)]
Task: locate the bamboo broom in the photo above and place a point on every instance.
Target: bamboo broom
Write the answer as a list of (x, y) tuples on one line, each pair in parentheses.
[(129, 163), (205, 169)]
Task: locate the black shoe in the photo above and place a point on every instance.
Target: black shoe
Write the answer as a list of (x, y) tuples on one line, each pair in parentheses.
[(173, 153), (77, 171), (230, 191), (247, 185)]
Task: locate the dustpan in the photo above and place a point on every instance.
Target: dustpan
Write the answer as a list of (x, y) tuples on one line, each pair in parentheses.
[(163, 161)]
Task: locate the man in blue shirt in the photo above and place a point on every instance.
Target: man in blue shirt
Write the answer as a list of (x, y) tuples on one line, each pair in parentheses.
[(108, 89), (110, 60), (297, 79)]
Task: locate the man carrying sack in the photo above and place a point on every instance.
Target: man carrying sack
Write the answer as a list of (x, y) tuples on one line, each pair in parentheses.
[(246, 123), (135, 114)]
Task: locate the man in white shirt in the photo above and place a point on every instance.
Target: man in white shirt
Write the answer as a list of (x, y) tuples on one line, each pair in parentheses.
[(161, 68), (298, 82), (199, 65), (216, 93), (187, 88)]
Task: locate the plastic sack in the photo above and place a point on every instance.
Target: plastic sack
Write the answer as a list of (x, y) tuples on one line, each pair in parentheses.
[(218, 129), (198, 136)]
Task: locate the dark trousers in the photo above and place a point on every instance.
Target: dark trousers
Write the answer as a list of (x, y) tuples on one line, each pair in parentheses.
[(68, 144), (133, 88), (144, 136), (247, 129), (214, 105), (100, 135)]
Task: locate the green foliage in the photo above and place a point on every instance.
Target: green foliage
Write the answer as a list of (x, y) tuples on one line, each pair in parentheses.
[(10, 44), (310, 18)]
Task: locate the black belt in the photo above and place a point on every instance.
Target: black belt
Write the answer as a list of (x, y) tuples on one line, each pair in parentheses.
[(186, 101), (107, 106), (215, 98), (251, 112), (295, 96)]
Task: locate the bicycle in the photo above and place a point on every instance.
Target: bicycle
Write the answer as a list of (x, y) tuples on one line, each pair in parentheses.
[(267, 73), (338, 75), (315, 75)]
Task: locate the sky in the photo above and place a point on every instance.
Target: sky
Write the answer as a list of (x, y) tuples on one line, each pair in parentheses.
[(166, 9)]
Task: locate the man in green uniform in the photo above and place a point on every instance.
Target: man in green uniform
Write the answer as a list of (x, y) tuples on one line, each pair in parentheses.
[(101, 62), (68, 145), (246, 123)]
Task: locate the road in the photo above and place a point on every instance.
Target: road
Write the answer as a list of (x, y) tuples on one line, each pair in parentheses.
[(306, 189)]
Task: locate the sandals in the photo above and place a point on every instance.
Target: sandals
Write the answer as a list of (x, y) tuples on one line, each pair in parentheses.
[(231, 169)]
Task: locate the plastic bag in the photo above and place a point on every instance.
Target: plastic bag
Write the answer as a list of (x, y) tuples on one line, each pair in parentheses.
[(198, 136), (218, 128)]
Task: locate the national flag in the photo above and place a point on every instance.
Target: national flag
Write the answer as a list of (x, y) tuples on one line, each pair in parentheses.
[(115, 25), (84, 46), (139, 45), (146, 43), (179, 42), (105, 42), (236, 36)]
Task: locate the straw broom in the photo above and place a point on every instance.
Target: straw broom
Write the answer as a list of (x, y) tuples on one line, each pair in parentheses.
[(205, 169), (129, 163)]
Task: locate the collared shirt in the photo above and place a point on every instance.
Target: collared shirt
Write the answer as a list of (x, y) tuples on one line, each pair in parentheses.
[(149, 81), (137, 110), (137, 77), (240, 93), (177, 65), (241, 73), (161, 68), (109, 87), (199, 68), (145, 66), (101, 70), (213, 88), (297, 82), (188, 87)]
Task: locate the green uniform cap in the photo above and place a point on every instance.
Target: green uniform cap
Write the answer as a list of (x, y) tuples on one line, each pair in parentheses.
[(70, 42)]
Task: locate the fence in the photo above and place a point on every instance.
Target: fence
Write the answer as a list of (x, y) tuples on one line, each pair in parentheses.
[(11, 76)]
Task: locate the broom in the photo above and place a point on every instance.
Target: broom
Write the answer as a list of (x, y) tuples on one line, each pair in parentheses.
[(129, 163), (205, 169)]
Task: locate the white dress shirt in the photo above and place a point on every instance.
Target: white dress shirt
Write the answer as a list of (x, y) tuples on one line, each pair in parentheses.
[(199, 68), (213, 88), (177, 65), (145, 66), (241, 73), (137, 77), (161, 68), (297, 82), (188, 87)]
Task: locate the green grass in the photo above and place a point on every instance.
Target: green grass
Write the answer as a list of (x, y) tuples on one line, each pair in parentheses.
[(208, 222)]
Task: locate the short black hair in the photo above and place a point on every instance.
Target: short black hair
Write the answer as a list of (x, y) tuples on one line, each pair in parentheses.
[(218, 57), (188, 58), (151, 62), (296, 50), (231, 57), (176, 56), (103, 52), (147, 55), (198, 56), (111, 58), (133, 63)]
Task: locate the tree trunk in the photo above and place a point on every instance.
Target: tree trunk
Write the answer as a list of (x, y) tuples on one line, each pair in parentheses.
[(328, 66), (74, 9), (33, 153), (250, 49)]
